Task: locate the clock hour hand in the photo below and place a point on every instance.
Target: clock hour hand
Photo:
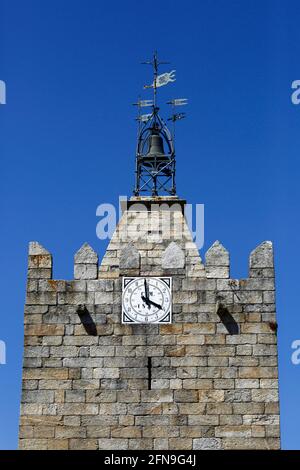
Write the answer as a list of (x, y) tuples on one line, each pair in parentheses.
[(146, 300), (155, 304), (149, 302)]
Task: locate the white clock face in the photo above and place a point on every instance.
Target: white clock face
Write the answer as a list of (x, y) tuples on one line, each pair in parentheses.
[(147, 300)]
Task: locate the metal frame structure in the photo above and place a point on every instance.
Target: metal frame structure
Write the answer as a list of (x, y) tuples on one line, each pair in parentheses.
[(155, 165)]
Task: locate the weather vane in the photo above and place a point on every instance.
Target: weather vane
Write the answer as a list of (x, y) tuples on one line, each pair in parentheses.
[(155, 152)]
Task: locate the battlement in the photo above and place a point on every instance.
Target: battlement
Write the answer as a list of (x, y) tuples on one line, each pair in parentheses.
[(171, 257), (208, 283)]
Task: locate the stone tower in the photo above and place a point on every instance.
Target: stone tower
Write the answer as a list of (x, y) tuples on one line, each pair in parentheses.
[(212, 383), (205, 378)]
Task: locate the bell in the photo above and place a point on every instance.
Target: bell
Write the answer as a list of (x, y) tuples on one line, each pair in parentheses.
[(156, 146)]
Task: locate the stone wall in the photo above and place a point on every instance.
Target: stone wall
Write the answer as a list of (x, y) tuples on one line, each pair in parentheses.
[(213, 370)]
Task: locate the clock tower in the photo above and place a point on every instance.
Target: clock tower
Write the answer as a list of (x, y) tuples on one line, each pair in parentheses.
[(151, 348)]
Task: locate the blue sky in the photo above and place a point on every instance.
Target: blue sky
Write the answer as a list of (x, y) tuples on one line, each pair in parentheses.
[(72, 70)]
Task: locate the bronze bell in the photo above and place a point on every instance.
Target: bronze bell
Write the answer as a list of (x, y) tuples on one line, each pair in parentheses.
[(156, 146)]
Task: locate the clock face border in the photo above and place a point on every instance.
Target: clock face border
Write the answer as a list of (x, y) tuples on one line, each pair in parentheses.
[(125, 320)]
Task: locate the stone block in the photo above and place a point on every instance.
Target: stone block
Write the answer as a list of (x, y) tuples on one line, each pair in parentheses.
[(269, 383), (102, 351), (217, 255), (211, 396), (199, 284), (85, 271), (86, 255), (261, 420), (217, 272), (40, 261), (160, 431), (86, 384), (234, 431), (255, 443), (37, 396), (36, 351), (258, 372), (233, 396), (106, 373), (187, 297), (248, 408), (33, 444), (273, 431), (144, 408), (185, 396), (113, 409), (126, 432), (52, 340), (173, 257), (103, 298), (42, 298), (203, 420), (98, 431), (224, 384), (170, 329), (67, 432), (262, 256), (257, 284), (207, 443), (180, 443), (231, 420), (50, 285), (160, 444), (129, 257), (78, 409), (100, 420), (141, 444), (175, 351), (246, 383), (55, 384), (264, 350), (113, 444), (83, 444), (265, 395), (255, 328), (198, 329), (128, 396), (197, 384), (44, 330), (101, 396), (156, 396), (39, 273), (75, 396)]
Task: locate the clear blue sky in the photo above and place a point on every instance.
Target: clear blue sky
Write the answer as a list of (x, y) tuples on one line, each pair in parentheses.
[(68, 139)]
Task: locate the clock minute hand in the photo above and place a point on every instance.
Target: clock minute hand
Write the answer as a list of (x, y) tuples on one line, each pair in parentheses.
[(146, 289)]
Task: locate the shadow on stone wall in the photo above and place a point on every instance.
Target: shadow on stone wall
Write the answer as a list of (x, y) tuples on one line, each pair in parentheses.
[(86, 320), (227, 319)]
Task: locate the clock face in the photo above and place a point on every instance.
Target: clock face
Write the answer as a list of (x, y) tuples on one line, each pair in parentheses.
[(147, 300)]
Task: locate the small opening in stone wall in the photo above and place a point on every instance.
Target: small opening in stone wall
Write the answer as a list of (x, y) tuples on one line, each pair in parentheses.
[(155, 232), (149, 372)]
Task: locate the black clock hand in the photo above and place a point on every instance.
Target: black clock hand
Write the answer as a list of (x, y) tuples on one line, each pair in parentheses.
[(146, 300), (155, 304), (146, 289)]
